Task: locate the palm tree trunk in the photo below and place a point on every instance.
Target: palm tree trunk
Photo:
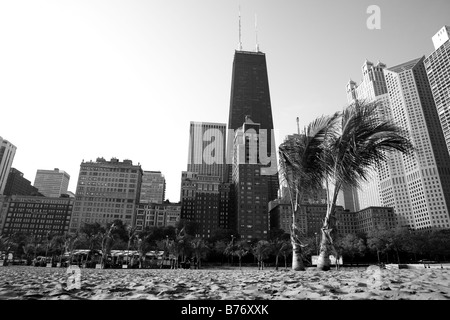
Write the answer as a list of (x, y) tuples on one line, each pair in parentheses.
[(276, 262), (297, 260), (323, 261), (326, 243)]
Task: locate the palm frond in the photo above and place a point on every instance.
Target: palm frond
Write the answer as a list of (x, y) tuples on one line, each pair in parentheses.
[(365, 141)]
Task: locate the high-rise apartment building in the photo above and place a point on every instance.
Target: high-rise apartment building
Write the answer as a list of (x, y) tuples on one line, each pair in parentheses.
[(251, 189), (204, 194), (372, 88), (106, 191), (205, 200), (153, 187), (207, 148), (7, 152), (437, 65), (52, 183), (420, 181), (18, 185)]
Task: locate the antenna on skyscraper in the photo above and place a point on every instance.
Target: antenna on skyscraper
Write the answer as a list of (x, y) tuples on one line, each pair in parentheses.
[(240, 42), (256, 32)]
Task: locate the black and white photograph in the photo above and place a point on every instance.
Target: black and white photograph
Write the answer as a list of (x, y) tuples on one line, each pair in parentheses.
[(233, 157)]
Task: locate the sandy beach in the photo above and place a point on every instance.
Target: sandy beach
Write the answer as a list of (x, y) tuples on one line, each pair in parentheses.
[(372, 283)]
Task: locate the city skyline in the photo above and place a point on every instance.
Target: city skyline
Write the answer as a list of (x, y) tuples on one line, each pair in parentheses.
[(114, 79)]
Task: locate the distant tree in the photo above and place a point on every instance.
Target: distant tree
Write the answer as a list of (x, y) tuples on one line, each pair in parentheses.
[(92, 233), (189, 227), (200, 249), (350, 245), (6, 245), (219, 249), (261, 251), (239, 249), (377, 240), (285, 251), (220, 235), (107, 242), (145, 244)]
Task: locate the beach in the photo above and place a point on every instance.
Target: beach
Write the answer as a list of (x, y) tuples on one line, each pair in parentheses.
[(364, 283)]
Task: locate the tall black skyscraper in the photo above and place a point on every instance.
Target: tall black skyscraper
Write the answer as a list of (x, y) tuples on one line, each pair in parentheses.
[(250, 103)]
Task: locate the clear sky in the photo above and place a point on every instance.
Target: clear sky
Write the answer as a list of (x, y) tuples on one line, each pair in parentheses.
[(106, 78)]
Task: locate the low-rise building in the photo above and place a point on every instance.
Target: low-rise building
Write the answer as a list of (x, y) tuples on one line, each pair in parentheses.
[(35, 214), (157, 215)]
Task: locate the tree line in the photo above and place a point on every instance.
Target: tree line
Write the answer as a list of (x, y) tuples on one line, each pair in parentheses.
[(399, 245)]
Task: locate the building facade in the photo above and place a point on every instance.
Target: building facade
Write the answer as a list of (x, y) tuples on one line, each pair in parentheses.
[(372, 218), (424, 174), (106, 191), (250, 109), (309, 219), (153, 188), (251, 188), (437, 65), (205, 200), (373, 89), (207, 148), (18, 185), (36, 215), (52, 183), (7, 152), (157, 215)]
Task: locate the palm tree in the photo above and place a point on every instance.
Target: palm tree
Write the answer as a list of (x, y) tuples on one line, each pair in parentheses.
[(362, 142), (107, 243), (144, 245), (69, 244), (91, 232), (200, 248), (6, 245), (286, 250), (280, 247), (58, 244), (302, 170), (131, 233)]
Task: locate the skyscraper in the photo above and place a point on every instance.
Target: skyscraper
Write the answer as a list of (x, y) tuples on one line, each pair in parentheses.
[(204, 194), (251, 187), (250, 108), (437, 65), (106, 191), (153, 187), (52, 183), (419, 180), (18, 185), (201, 202), (7, 152), (372, 88)]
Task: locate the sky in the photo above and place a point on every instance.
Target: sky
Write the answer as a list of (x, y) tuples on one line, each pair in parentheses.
[(123, 78)]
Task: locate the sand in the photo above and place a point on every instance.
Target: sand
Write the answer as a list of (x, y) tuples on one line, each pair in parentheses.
[(372, 283)]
